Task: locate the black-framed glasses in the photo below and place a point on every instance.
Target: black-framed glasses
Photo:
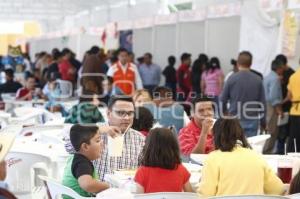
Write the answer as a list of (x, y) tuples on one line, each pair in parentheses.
[(122, 113)]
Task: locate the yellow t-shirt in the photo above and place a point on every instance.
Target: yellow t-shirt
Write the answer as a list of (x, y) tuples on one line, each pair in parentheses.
[(239, 172), (294, 88)]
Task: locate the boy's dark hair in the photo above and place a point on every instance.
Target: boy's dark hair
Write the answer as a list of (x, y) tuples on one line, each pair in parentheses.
[(245, 59), (282, 58), (276, 64), (116, 98), (295, 184), (9, 72), (80, 134), (227, 133), (161, 150), (143, 119)]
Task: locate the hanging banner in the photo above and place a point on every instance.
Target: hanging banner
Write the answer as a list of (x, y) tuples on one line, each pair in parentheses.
[(225, 10), (192, 15), (125, 25), (290, 34), (143, 23), (126, 39), (165, 19)]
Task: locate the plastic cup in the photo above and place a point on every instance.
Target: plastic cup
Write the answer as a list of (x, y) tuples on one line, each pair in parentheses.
[(115, 146), (285, 169)]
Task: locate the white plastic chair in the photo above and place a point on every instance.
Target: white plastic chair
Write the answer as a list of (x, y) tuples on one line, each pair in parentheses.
[(8, 96), (66, 89), (167, 195), (27, 115), (258, 142), (20, 172), (56, 189), (249, 197)]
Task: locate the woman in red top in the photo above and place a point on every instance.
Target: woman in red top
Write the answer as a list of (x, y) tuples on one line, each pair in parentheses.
[(161, 169)]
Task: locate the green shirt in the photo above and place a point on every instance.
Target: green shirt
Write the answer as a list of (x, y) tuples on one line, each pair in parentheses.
[(70, 181), (84, 113)]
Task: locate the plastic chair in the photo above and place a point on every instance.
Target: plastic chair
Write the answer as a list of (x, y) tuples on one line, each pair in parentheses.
[(249, 197), (56, 189), (8, 96), (258, 142), (20, 171), (66, 89), (167, 195)]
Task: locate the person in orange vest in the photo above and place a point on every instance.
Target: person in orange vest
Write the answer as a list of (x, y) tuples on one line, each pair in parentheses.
[(125, 74)]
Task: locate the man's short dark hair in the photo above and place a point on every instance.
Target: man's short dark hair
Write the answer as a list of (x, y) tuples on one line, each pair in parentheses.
[(66, 51), (9, 72), (276, 64), (116, 98), (185, 56), (245, 59), (80, 134), (282, 58), (120, 50), (201, 98)]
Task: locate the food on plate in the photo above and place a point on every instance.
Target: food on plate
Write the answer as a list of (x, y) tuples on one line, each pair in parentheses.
[(126, 172)]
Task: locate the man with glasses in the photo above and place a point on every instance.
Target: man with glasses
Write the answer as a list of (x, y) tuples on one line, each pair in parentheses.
[(120, 118)]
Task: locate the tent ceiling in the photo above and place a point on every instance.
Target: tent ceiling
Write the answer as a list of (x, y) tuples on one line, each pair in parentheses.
[(47, 9)]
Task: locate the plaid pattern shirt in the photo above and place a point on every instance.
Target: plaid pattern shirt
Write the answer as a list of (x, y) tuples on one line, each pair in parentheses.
[(133, 145)]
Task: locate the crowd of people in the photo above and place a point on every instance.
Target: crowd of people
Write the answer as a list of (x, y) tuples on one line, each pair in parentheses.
[(198, 110)]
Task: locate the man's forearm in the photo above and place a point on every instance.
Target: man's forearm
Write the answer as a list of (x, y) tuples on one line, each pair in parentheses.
[(200, 146)]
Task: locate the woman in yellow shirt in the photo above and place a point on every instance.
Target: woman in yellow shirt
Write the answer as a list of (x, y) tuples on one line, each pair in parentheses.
[(234, 169), (294, 120)]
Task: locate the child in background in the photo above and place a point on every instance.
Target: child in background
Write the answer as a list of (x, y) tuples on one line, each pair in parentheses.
[(160, 165), (86, 112), (53, 93), (79, 173), (143, 120)]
